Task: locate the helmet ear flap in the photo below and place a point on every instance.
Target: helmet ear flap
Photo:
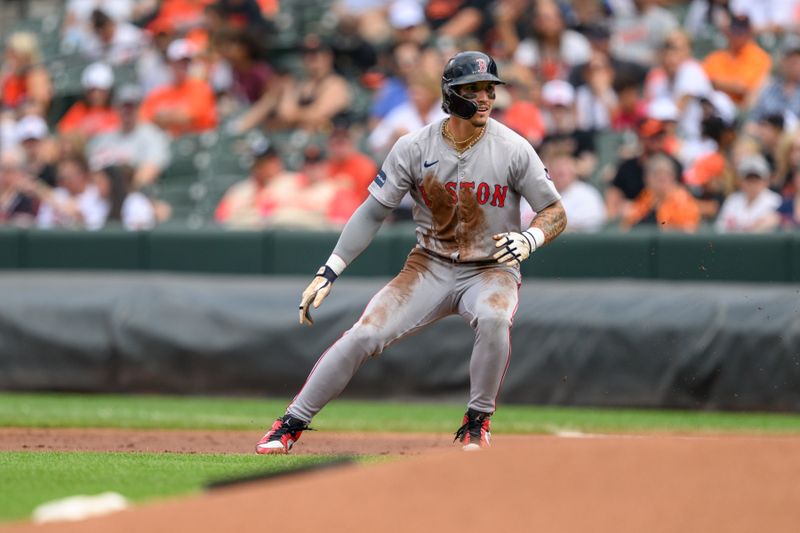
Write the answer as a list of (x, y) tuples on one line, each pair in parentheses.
[(455, 104)]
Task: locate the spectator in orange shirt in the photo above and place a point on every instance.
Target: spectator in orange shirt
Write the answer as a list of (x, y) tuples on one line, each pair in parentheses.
[(663, 202), (711, 177), (93, 114), (742, 68), (325, 200), (179, 15), (244, 204), (346, 164), (187, 104), (23, 78), (521, 114)]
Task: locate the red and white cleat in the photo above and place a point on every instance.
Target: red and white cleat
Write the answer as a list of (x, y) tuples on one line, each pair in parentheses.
[(474, 434), (281, 436)]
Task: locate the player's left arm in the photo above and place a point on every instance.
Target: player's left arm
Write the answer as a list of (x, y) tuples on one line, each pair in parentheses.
[(551, 221), (515, 247), (530, 178)]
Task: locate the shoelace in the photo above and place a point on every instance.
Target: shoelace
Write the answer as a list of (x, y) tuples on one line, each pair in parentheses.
[(290, 427), (473, 426)]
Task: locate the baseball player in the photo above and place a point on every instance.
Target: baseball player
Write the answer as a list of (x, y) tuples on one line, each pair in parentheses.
[(466, 175)]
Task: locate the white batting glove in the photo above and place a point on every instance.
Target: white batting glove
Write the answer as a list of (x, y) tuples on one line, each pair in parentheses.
[(316, 291), (516, 247)]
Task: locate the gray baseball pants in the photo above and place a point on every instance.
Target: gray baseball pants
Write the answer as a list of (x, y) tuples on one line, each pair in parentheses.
[(425, 290)]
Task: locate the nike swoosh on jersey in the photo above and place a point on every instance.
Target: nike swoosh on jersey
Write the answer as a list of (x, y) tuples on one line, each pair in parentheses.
[(428, 165)]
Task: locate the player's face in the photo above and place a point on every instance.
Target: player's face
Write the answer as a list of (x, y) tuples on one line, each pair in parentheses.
[(482, 93)]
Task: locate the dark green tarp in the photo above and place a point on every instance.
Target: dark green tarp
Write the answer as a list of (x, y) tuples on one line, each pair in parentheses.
[(599, 343)]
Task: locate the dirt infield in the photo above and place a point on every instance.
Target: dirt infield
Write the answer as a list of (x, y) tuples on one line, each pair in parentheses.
[(599, 484), (195, 441)]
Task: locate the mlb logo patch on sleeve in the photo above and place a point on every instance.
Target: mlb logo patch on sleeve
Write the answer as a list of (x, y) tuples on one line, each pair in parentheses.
[(380, 179)]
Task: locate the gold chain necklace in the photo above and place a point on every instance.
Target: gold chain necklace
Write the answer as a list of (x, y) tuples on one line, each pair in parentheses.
[(472, 139)]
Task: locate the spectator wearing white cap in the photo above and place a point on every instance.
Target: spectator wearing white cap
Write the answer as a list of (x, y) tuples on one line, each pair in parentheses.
[(111, 41), (562, 133), (753, 208), (187, 104), (93, 113), (407, 19), (664, 110), (32, 135), (715, 104), (410, 31), (140, 145)]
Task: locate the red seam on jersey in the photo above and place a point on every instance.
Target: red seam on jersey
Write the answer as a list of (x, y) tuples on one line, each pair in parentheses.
[(508, 358)]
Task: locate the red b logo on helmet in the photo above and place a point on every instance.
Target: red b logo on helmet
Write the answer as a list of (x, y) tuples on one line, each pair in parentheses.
[(481, 63)]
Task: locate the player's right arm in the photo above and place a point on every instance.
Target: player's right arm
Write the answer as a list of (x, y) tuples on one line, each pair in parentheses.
[(386, 191)]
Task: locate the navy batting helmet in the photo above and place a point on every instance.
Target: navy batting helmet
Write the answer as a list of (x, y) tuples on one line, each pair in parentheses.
[(464, 68)]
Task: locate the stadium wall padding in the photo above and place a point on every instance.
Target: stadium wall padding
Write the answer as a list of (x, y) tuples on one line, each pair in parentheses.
[(709, 257), (659, 344)]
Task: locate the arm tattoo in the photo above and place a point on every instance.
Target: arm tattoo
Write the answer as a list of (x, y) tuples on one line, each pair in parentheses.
[(551, 220)]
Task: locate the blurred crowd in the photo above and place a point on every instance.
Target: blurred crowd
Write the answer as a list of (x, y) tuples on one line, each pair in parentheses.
[(675, 115)]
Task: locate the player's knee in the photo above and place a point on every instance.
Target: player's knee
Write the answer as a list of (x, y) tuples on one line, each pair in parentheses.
[(368, 337), (492, 322)]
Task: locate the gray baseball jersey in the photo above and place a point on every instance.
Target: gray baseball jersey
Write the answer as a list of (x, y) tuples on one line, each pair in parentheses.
[(461, 201)]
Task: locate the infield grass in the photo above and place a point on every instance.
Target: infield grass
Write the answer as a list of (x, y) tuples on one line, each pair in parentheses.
[(173, 412), (32, 478)]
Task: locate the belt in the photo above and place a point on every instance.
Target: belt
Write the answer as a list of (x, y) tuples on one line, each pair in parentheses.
[(452, 261)]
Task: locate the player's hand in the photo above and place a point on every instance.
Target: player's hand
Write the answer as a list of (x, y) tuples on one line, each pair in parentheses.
[(514, 247), (316, 291)]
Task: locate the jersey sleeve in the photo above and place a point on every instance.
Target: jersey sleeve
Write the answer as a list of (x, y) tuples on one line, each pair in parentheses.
[(530, 179), (394, 177)]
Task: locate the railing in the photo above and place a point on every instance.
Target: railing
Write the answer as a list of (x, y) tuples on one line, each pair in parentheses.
[(751, 258)]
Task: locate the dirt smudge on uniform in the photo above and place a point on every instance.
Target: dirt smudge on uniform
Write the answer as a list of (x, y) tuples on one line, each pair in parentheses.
[(472, 225), (505, 286), (377, 317), (459, 226), (396, 294), (443, 211), (498, 301)]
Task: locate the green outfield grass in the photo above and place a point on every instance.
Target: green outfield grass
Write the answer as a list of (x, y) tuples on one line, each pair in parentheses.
[(32, 478), (134, 411)]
